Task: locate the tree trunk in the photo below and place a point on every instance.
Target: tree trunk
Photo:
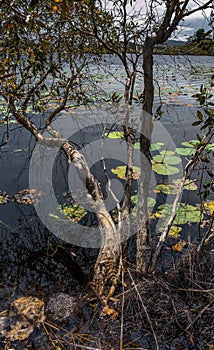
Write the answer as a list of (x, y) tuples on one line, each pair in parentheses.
[(143, 257)]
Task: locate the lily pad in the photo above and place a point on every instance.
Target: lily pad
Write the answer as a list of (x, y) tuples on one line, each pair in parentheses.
[(154, 146), (210, 207), (3, 199), (167, 159), (164, 169), (210, 147), (114, 134), (173, 232), (191, 143), (120, 171), (189, 185), (167, 152), (185, 151), (150, 201), (185, 213), (172, 188), (74, 211), (166, 189)]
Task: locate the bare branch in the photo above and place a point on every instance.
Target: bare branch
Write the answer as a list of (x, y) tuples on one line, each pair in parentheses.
[(34, 88), (63, 104), (208, 4)]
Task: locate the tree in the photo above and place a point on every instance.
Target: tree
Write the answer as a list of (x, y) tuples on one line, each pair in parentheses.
[(200, 35), (37, 39)]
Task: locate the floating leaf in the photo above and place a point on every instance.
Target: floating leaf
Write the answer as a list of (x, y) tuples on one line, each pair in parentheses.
[(210, 207), (137, 145), (185, 151), (163, 169), (189, 185), (166, 189), (167, 159), (178, 247), (54, 216), (120, 171), (114, 134), (150, 201), (173, 232), (166, 152), (210, 147), (156, 146), (185, 213), (191, 143), (74, 211), (3, 199)]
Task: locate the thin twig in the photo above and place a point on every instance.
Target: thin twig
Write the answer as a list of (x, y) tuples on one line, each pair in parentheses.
[(63, 104), (199, 315)]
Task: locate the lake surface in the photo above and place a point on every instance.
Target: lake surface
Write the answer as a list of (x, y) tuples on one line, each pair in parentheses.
[(177, 78), (28, 265)]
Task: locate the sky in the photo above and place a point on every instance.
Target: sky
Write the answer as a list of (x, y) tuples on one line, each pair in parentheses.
[(191, 24)]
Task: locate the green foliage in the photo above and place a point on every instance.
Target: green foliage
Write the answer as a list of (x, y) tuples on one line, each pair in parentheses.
[(3, 199), (189, 185), (40, 49), (186, 213), (120, 171), (200, 35), (73, 211)]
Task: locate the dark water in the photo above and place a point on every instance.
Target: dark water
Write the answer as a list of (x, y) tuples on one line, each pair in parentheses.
[(176, 78), (21, 232)]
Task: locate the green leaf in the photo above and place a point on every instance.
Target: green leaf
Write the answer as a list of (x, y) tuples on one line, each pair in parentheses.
[(114, 134), (210, 147), (185, 213), (163, 169), (156, 146), (191, 143), (120, 171), (185, 151), (189, 185), (166, 189), (203, 89), (165, 159), (199, 115), (166, 152), (3, 199), (150, 201), (137, 145), (74, 211), (197, 123), (173, 232)]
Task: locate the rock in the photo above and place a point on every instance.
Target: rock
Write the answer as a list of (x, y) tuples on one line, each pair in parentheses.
[(64, 308)]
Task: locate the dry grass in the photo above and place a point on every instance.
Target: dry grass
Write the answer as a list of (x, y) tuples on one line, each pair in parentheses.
[(172, 310)]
